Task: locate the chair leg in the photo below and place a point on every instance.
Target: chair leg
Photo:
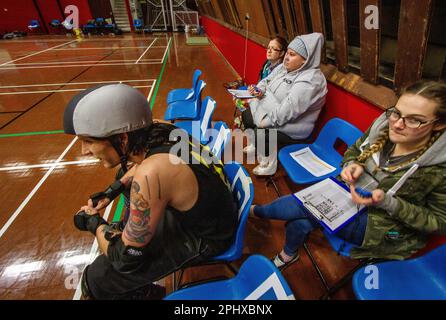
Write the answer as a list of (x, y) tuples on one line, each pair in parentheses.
[(177, 282), (316, 267), (174, 280), (233, 269), (269, 181), (341, 283)]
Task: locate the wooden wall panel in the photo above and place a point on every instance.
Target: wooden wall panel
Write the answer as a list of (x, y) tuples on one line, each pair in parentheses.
[(300, 15), (267, 11), (413, 33), (339, 25), (257, 21), (232, 11), (317, 21), (370, 43), (289, 21), (279, 22), (217, 10)]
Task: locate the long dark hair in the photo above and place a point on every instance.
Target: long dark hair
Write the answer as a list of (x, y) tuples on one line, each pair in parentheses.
[(283, 43), (155, 135)]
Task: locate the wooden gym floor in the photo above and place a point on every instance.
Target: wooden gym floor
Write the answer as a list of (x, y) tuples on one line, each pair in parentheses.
[(45, 180)]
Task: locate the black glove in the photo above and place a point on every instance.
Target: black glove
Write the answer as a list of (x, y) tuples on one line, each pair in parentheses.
[(86, 222), (114, 190)]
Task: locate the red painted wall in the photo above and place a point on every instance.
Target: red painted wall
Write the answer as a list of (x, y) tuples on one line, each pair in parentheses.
[(129, 15), (16, 14), (49, 11)]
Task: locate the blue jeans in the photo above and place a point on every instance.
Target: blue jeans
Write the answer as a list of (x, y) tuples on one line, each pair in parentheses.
[(300, 223)]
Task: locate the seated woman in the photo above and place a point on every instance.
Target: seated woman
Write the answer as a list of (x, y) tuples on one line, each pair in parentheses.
[(275, 52), (289, 100), (274, 57), (394, 227), (182, 212)]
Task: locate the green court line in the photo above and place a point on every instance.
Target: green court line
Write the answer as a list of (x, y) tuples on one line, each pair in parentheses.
[(152, 101), (119, 209), (21, 134)]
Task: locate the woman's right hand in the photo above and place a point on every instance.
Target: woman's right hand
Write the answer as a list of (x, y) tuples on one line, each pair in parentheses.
[(254, 91), (351, 173)]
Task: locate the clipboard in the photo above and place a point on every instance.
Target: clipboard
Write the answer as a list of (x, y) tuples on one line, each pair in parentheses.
[(320, 217), (241, 94)]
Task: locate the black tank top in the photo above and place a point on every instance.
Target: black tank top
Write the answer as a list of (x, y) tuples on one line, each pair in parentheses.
[(214, 215)]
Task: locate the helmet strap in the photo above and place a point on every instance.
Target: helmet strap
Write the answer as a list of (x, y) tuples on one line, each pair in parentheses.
[(116, 143)]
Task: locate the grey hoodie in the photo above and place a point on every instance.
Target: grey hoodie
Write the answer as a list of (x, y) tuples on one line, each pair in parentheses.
[(293, 100)]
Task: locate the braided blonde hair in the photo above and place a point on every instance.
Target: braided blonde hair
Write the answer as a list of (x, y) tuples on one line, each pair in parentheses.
[(431, 90)]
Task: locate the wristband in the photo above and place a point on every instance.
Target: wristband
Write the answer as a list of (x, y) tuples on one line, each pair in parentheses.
[(114, 190), (86, 222)]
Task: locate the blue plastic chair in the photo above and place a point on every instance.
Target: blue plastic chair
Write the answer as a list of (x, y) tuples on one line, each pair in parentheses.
[(339, 245), (33, 25), (243, 190), (55, 23), (184, 94), (219, 142), (420, 278), (199, 128), (137, 23), (323, 148), (258, 279), (187, 109), (90, 27)]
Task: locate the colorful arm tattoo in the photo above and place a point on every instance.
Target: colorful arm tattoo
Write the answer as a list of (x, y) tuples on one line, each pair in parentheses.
[(138, 229)]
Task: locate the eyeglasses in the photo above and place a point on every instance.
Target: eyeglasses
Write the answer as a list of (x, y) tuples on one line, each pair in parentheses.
[(394, 115), (274, 49)]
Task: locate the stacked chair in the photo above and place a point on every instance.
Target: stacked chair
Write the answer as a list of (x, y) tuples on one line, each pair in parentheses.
[(199, 128), (188, 112), (219, 141), (184, 94), (185, 104), (258, 278)]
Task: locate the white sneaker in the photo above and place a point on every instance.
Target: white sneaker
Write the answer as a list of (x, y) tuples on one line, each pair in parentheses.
[(268, 170), (280, 264), (263, 161), (249, 149)]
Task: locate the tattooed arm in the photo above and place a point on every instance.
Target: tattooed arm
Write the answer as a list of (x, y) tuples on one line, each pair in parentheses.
[(146, 208)]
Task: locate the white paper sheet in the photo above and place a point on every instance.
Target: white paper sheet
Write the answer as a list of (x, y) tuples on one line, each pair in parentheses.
[(329, 203), (312, 163)]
